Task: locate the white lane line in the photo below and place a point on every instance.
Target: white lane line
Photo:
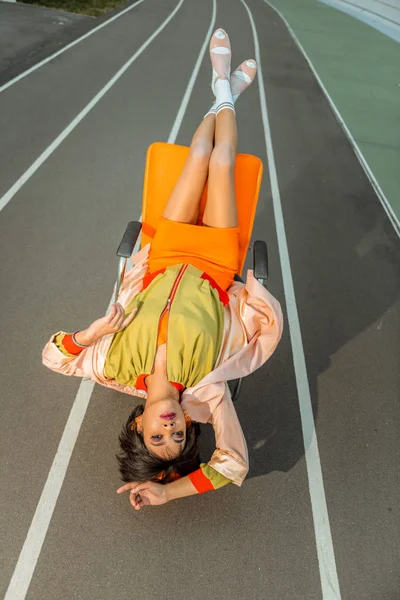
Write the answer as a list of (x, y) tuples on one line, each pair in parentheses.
[(374, 182), (364, 9), (67, 47), (190, 85), (61, 137), (387, 4), (323, 537), (26, 564), (29, 555)]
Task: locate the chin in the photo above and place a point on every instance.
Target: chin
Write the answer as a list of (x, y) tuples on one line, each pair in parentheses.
[(169, 403)]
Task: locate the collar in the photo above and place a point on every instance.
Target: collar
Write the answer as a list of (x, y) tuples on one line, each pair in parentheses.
[(141, 384)]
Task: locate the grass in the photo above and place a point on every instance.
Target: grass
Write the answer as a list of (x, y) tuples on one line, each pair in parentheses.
[(94, 8)]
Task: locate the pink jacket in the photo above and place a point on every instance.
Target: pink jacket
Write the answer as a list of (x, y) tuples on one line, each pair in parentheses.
[(252, 330)]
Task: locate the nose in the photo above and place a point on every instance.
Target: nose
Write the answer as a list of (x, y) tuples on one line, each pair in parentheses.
[(169, 424)]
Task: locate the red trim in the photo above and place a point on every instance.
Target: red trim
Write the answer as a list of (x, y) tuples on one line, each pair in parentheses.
[(147, 279), (141, 384), (176, 284), (178, 386), (70, 345), (201, 482), (148, 230), (223, 296)]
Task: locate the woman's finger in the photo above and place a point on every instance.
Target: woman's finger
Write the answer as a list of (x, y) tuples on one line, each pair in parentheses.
[(112, 313), (136, 501), (119, 315), (140, 487), (129, 319), (126, 487)]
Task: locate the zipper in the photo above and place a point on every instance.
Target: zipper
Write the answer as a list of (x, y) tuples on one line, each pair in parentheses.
[(168, 304)]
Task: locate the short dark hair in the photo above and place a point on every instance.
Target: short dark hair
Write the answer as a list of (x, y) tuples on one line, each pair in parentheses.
[(136, 463)]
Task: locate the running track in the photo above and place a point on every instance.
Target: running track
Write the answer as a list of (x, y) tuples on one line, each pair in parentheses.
[(318, 516)]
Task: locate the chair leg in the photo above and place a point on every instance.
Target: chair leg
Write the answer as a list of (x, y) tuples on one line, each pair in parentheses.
[(234, 387)]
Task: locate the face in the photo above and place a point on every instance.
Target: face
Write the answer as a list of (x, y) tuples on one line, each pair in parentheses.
[(163, 427)]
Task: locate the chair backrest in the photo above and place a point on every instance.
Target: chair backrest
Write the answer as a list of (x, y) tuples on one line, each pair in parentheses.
[(164, 164)]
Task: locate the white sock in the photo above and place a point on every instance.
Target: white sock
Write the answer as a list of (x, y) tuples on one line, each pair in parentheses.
[(239, 75), (224, 98), (223, 95)]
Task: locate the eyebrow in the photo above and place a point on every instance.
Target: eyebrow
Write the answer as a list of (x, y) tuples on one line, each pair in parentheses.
[(163, 443)]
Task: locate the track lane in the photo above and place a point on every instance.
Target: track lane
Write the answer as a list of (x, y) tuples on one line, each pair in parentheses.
[(40, 106), (345, 254), (258, 541), (61, 215), (230, 528)]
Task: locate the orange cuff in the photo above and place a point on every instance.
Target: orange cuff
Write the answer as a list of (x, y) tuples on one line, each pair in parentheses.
[(70, 345), (201, 482)]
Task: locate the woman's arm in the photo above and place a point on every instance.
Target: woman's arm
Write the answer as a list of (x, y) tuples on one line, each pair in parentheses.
[(212, 403), (63, 355), (180, 489), (72, 344), (150, 493), (114, 322)]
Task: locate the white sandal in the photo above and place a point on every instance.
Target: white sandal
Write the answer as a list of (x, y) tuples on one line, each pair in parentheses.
[(220, 54), (242, 77), (240, 80)]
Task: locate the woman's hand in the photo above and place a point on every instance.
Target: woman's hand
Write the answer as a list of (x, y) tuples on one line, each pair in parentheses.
[(112, 323), (145, 494)]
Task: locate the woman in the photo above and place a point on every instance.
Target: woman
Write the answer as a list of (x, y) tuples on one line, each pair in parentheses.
[(182, 327)]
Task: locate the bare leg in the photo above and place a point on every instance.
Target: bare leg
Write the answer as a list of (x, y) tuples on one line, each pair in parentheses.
[(183, 204), (221, 210)]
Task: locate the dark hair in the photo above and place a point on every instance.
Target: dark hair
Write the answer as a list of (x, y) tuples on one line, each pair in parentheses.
[(136, 463)]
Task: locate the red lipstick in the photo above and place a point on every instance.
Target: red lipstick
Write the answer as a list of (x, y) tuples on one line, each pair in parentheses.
[(168, 416)]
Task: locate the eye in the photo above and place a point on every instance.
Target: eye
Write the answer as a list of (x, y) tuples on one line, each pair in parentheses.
[(179, 434), (156, 437)]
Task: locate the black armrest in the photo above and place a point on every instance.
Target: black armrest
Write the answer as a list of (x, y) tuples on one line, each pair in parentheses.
[(129, 239), (260, 260)]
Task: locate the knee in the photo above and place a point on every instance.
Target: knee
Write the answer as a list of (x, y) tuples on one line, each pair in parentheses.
[(223, 157), (201, 149)]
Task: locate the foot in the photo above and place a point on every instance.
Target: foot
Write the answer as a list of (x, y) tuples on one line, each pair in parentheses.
[(220, 54), (242, 77)]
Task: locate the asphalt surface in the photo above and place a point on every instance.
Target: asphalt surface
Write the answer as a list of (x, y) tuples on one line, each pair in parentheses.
[(29, 33), (58, 237)]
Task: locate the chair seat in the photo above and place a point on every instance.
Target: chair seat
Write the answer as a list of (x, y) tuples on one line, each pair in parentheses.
[(164, 164)]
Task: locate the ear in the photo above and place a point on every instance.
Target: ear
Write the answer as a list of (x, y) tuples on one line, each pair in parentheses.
[(139, 426)]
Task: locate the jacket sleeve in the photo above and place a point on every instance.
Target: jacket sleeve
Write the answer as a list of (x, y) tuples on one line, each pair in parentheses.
[(207, 479), (66, 345), (59, 354), (254, 328), (212, 403), (230, 457), (261, 315), (57, 358)]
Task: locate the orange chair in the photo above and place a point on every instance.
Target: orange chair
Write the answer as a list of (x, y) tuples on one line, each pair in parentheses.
[(164, 164)]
